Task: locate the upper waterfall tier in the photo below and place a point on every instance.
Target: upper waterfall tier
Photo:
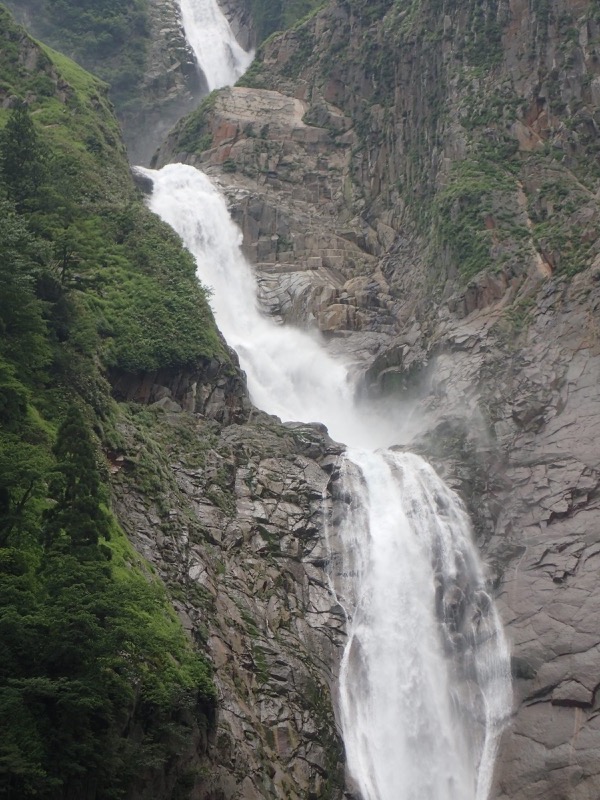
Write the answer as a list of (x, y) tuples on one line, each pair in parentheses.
[(289, 372), (217, 51)]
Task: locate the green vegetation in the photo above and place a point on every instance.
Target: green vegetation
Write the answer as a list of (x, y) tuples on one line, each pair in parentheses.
[(305, 46), (482, 46), (90, 648), (465, 213), (567, 245), (109, 37), (21, 159), (253, 78), (279, 15), (479, 210), (123, 268), (192, 132), (99, 687)]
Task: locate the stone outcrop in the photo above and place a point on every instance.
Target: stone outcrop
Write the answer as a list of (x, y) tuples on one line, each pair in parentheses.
[(214, 389), (172, 84), (231, 518)]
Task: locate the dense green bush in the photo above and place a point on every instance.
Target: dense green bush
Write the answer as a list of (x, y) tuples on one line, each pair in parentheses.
[(90, 649)]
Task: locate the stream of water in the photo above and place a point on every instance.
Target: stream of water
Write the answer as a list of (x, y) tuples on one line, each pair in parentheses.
[(424, 682), (217, 51)]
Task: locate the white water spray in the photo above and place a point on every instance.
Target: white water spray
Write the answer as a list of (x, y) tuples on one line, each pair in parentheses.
[(424, 684), (217, 51), (289, 372)]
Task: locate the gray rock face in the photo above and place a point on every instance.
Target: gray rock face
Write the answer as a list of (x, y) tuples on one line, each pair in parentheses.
[(240, 18), (213, 388), (234, 528), (512, 417)]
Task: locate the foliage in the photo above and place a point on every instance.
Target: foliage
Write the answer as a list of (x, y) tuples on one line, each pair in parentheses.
[(89, 648), (22, 164), (23, 328), (77, 517), (305, 45), (192, 132), (107, 260), (89, 645), (279, 15), (98, 683), (109, 37), (475, 191)]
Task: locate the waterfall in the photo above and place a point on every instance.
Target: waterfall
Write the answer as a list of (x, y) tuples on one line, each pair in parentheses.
[(425, 682), (217, 51), (425, 644)]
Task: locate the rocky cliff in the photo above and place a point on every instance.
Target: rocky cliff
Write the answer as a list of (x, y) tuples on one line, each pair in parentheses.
[(232, 518), (420, 182)]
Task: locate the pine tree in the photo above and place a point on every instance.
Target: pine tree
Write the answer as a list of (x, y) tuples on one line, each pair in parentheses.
[(23, 329), (78, 514), (22, 159)]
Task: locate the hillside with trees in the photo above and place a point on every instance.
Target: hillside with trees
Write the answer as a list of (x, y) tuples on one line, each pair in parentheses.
[(99, 687)]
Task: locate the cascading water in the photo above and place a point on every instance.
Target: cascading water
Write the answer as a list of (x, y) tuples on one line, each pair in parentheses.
[(425, 643), (217, 51), (424, 681)]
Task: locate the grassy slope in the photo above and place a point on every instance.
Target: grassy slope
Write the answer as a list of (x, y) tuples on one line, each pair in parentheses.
[(132, 265), (110, 38)]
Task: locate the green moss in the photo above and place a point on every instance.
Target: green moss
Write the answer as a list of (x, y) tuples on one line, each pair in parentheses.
[(278, 15), (192, 133), (305, 46), (260, 664), (253, 77), (569, 252), (172, 665)]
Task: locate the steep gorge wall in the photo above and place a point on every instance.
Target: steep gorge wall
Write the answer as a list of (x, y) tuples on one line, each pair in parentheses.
[(420, 182), (232, 518)]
